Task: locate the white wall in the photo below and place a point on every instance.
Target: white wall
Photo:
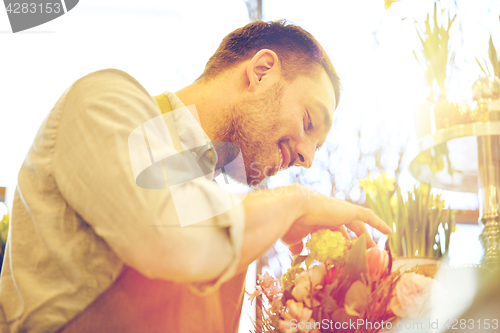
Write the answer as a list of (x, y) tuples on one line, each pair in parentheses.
[(163, 44)]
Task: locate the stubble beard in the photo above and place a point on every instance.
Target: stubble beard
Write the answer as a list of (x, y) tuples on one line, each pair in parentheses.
[(252, 124)]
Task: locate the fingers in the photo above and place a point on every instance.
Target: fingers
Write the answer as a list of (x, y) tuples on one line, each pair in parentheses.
[(344, 232), (368, 216), (296, 248), (359, 229)]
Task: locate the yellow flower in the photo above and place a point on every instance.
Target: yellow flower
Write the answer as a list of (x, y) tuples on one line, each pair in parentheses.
[(326, 245), (288, 279), (381, 184), (386, 184), (388, 3), (368, 186)]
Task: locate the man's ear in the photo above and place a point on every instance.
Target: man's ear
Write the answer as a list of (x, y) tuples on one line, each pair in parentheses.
[(263, 69)]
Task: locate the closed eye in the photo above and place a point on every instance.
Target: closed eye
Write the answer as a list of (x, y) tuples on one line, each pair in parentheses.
[(309, 124)]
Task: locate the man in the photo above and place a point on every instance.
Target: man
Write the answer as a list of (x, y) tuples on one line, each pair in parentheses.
[(90, 250)]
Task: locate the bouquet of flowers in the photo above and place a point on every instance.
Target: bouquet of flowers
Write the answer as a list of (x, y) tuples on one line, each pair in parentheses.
[(340, 286)]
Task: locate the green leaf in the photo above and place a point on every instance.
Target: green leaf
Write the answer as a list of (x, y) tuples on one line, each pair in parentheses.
[(451, 22), (309, 260), (287, 294), (356, 299), (341, 316), (492, 53), (355, 265), (298, 260), (487, 68), (329, 304), (416, 57)]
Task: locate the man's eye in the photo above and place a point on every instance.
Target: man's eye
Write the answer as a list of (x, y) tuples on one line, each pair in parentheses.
[(309, 124)]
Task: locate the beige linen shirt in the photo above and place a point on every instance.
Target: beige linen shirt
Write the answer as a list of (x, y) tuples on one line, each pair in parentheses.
[(78, 216)]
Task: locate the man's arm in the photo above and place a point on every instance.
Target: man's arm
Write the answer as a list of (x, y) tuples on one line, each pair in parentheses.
[(93, 172), (292, 213)]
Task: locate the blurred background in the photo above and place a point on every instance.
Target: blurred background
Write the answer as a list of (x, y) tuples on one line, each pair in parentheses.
[(165, 45)]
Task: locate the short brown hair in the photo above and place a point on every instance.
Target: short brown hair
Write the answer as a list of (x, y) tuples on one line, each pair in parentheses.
[(296, 49)]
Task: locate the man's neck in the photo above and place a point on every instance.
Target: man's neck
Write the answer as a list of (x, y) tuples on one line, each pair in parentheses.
[(211, 101)]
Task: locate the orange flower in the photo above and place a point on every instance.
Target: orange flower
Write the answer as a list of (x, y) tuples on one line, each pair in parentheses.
[(378, 262), (297, 318), (315, 277)]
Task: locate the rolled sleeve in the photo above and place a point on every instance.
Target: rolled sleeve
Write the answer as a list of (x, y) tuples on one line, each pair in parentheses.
[(93, 171)]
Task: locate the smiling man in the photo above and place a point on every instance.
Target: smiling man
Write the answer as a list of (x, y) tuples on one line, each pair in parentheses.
[(272, 90), (91, 251)]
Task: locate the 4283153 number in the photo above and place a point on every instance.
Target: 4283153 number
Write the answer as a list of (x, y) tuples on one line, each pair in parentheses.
[(471, 324), (25, 8)]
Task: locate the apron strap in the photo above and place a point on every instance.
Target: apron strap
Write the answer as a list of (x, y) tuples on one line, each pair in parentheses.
[(163, 103)]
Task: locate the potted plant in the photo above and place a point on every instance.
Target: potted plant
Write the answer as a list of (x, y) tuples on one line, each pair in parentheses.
[(421, 227), (435, 53), (486, 90)]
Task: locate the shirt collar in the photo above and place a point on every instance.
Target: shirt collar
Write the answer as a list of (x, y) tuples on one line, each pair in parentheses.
[(190, 131)]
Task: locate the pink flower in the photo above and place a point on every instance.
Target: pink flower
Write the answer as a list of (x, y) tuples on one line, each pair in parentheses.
[(268, 286), (273, 290), (378, 262), (314, 276), (257, 292), (266, 280), (276, 300), (296, 314), (411, 296)]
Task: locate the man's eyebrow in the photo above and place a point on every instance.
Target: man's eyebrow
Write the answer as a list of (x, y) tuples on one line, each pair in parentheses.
[(327, 120)]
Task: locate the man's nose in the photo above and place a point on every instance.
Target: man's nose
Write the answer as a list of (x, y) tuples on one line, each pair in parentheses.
[(305, 155)]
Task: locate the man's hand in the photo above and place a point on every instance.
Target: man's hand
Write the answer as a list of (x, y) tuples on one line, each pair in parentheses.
[(292, 212), (321, 212)]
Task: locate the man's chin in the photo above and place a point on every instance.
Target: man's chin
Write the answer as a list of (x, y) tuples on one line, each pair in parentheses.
[(250, 175), (255, 180), (241, 178), (254, 183)]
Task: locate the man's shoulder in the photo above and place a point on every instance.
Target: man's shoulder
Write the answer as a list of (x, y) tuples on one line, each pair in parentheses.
[(111, 73), (108, 79), (108, 91)]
